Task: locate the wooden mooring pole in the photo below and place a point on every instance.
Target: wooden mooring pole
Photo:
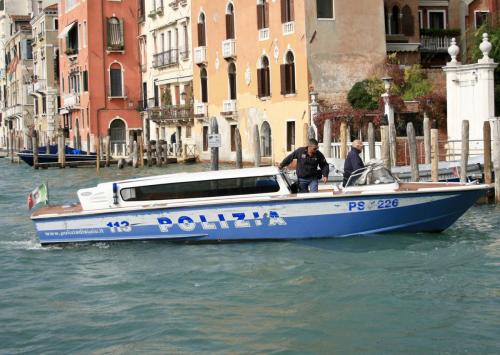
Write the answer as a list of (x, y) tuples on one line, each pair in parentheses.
[(214, 151), (487, 151), (371, 140), (327, 139), (427, 139), (343, 140), (412, 146), (35, 149), (107, 144), (495, 126), (239, 152), (386, 145), (256, 145), (434, 155), (465, 151)]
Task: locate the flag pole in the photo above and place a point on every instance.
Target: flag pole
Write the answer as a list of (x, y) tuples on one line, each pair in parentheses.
[(47, 184)]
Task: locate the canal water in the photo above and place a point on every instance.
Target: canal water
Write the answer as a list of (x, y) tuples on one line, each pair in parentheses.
[(402, 293)]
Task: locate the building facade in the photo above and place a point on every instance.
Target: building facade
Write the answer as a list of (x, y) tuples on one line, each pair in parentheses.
[(258, 61), (100, 78), (167, 71), (45, 84)]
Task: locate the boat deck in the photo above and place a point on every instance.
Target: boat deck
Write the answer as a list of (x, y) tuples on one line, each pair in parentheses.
[(58, 210)]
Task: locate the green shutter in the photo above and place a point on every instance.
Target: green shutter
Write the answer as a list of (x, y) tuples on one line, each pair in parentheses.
[(109, 31)]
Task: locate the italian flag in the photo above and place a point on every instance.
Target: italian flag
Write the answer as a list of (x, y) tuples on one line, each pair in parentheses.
[(38, 195)]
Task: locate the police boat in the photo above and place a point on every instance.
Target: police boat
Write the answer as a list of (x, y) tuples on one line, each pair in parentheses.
[(252, 204)]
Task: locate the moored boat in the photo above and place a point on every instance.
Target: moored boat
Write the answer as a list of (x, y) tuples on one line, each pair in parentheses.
[(71, 154), (252, 204)]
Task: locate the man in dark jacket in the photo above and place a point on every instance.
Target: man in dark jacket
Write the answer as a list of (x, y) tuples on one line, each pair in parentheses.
[(353, 162), (308, 160)]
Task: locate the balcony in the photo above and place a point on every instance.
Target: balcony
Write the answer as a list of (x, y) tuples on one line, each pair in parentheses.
[(179, 114), (200, 55), (184, 54), (40, 85), (288, 28), (200, 110), (71, 51), (435, 43), (15, 111), (40, 36), (167, 58), (71, 101), (263, 34), (159, 10), (229, 108), (229, 48)]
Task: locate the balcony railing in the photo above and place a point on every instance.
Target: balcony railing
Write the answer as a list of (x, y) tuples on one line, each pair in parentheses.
[(184, 54), (15, 110), (288, 28), (173, 114), (435, 43), (40, 85), (71, 100), (229, 48), (263, 34), (166, 58), (229, 107), (200, 109), (200, 55)]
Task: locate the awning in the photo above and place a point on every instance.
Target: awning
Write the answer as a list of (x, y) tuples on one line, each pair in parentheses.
[(402, 47), (65, 30), (63, 111)]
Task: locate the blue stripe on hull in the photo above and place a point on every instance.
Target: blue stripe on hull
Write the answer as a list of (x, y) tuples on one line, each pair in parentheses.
[(427, 217)]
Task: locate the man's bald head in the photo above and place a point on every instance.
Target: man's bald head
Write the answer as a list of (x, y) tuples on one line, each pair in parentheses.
[(357, 144)]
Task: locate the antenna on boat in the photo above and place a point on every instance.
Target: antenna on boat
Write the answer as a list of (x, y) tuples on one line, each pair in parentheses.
[(115, 193)]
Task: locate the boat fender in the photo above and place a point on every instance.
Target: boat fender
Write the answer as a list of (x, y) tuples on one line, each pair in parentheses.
[(115, 193)]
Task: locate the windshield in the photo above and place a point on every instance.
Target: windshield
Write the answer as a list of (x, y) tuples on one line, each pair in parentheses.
[(372, 174)]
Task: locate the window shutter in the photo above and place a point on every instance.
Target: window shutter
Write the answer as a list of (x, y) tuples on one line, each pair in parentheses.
[(259, 16), (201, 35), (292, 12), (291, 68), (122, 35), (267, 81), (283, 11), (109, 32), (283, 79), (259, 83), (232, 26), (266, 15), (228, 26)]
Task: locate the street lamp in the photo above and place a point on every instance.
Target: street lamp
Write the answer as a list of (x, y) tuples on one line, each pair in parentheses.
[(387, 83)]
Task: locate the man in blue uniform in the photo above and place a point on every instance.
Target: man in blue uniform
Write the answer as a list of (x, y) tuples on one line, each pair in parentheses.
[(353, 162), (308, 160)]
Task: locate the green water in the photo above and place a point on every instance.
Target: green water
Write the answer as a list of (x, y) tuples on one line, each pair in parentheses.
[(403, 293)]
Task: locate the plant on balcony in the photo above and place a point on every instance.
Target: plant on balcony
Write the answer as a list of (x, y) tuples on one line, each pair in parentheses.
[(152, 13), (359, 97), (440, 32), (159, 11), (71, 51)]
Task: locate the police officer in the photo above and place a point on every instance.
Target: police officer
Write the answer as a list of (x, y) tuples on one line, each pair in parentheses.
[(308, 160), (353, 162)]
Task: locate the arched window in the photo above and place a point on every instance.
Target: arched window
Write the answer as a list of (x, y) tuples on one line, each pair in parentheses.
[(230, 21), (204, 85), (231, 72), (265, 140), (408, 27), (288, 75), (117, 133), (202, 41), (115, 34), (395, 21), (263, 78), (115, 80)]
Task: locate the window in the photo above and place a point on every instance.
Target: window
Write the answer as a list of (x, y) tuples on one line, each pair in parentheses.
[(72, 41), (394, 24), (480, 18), (115, 34), (84, 34), (262, 14), (201, 31), (287, 14), (290, 136), (188, 131), (230, 21), (85, 78), (233, 138), (204, 85), (232, 81), (288, 75), (56, 24), (436, 19), (263, 78), (200, 189), (205, 138), (185, 52), (2, 5), (408, 21), (116, 80), (324, 9)]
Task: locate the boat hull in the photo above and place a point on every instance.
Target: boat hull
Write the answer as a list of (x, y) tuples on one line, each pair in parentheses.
[(53, 158), (282, 219)]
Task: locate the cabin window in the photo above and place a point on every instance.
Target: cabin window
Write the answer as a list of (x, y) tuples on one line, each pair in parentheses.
[(199, 189)]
